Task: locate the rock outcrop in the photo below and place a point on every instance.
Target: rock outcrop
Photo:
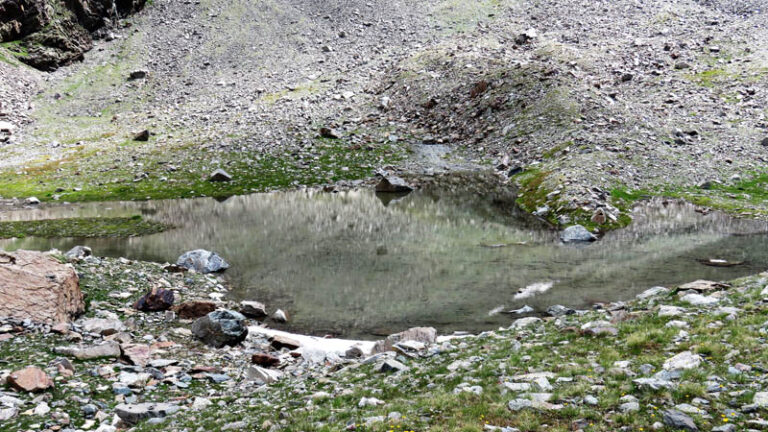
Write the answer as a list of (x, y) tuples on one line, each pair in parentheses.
[(53, 33), (36, 286)]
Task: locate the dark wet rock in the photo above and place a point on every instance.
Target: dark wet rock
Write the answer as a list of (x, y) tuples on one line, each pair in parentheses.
[(158, 299), (576, 234), (78, 253), (265, 360), (679, 421), (133, 414), (253, 309), (202, 261), (329, 133), (560, 310), (194, 309), (142, 136), (221, 327), (220, 176), (138, 74), (393, 184), (526, 37), (392, 366), (764, 142)]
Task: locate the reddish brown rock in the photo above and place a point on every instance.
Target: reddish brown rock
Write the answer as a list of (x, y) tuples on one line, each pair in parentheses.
[(30, 379), (194, 309), (158, 299), (136, 354), (265, 360), (36, 286)]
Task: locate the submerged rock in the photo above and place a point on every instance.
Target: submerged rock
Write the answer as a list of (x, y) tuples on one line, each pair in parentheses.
[(576, 234), (202, 261), (221, 327)]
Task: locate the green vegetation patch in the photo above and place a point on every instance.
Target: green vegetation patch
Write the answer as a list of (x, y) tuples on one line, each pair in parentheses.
[(143, 172), (81, 227)]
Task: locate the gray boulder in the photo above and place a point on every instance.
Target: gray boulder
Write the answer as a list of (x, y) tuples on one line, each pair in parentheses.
[(576, 234), (133, 414), (560, 310), (221, 327), (679, 421), (202, 261), (78, 252), (393, 184)]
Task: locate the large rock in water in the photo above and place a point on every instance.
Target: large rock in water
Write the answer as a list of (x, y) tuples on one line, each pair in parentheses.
[(202, 261), (577, 234), (221, 327), (36, 286)]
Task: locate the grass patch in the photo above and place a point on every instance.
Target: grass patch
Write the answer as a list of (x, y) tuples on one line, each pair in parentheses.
[(144, 172), (81, 227)]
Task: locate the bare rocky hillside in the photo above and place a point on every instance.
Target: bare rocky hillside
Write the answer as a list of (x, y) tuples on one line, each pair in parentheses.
[(586, 105)]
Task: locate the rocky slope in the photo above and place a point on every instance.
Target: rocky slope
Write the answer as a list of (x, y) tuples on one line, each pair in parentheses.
[(688, 358)]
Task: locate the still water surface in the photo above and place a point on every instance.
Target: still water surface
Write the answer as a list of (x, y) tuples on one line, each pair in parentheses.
[(356, 264)]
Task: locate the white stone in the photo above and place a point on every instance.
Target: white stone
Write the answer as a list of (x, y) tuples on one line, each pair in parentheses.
[(517, 387), (201, 403), (699, 300), (369, 402), (524, 322), (652, 292), (670, 311), (677, 324), (761, 399), (42, 409), (683, 361)]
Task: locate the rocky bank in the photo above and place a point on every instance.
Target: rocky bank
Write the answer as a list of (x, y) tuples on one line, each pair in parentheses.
[(679, 358)]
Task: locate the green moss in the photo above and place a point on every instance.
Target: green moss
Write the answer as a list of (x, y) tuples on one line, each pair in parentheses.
[(710, 78), (96, 175), (81, 227)]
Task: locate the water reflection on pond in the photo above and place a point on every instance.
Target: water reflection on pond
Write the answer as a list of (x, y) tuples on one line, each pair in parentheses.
[(350, 264)]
